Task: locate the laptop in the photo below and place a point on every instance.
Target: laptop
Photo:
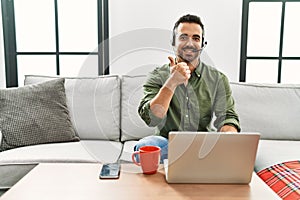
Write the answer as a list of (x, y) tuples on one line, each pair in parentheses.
[(211, 157)]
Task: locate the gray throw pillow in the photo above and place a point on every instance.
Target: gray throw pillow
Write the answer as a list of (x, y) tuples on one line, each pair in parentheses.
[(35, 114)]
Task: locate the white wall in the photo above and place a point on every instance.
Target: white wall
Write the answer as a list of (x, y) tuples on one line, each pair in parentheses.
[(140, 34), (2, 70), (131, 19)]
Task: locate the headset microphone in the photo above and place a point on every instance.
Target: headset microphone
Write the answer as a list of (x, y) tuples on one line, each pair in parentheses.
[(203, 46)]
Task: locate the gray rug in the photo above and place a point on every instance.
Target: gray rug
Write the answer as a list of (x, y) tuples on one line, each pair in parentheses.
[(2, 191)]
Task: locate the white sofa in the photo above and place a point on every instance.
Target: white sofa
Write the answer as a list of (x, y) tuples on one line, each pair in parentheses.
[(273, 110), (103, 111)]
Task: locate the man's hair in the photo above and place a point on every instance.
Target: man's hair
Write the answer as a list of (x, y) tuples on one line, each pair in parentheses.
[(189, 19)]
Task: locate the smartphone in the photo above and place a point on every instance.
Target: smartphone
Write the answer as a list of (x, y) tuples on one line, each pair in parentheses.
[(110, 171)]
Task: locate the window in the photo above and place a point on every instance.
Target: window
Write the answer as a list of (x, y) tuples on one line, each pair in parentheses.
[(51, 37), (270, 48)]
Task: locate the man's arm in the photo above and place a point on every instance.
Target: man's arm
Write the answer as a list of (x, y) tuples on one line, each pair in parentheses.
[(180, 73), (159, 105), (228, 128), (227, 119)]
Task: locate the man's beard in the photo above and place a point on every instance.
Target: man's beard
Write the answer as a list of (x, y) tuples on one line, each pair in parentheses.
[(194, 54)]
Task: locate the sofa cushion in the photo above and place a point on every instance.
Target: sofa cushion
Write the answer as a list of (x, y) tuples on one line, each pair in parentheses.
[(132, 126), (271, 109), (271, 152), (35, 114), (94, 105), (128, 149), (82, 151), (15, 163)]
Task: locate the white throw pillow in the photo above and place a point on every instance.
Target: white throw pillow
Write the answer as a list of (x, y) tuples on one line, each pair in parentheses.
[(271, 109), (133, 127)]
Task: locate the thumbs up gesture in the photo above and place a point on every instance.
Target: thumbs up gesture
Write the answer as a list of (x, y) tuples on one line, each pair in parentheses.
[(180, 72)]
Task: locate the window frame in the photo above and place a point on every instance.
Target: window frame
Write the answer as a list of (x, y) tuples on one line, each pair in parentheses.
[(244, 40), (11, 53)]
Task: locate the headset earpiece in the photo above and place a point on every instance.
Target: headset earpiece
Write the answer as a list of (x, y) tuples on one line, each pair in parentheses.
[(204, 43), (173, 39)]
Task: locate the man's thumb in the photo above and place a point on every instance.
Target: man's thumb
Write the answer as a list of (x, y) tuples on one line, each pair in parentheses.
[(172, 61)]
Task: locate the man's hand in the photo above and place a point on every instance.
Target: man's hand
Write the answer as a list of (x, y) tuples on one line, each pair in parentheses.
[(180, 72), (228, 128)]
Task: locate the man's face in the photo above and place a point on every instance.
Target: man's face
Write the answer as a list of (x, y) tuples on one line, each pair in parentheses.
[(188, 41)]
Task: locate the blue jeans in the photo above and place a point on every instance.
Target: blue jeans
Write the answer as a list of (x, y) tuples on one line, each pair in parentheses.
[(154, 140)]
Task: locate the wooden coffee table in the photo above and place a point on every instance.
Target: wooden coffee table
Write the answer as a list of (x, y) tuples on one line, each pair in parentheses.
[(80, 181)]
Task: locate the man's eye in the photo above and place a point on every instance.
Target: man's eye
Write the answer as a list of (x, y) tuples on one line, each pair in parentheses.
[(196, 39), (183, 38)]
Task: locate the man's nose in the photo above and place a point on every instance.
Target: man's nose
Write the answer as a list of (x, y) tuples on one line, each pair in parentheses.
[(190, 42)]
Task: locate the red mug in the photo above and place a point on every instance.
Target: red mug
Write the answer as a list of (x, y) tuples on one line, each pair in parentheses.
[(149, 159)]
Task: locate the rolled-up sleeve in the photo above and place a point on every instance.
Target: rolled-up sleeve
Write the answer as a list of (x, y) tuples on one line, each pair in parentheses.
[(150, 88), (224, 106)]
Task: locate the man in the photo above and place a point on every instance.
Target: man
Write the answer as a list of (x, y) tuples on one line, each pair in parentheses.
[(185, 94)]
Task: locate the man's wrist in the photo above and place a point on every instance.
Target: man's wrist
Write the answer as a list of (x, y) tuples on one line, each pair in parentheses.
[(232, 125), (170, 84), (227, 128)]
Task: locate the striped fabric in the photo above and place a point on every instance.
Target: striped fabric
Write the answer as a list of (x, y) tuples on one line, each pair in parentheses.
[(284, 179)]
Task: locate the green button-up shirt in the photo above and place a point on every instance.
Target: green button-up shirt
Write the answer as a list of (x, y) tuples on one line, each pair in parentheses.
[(207, 96)]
